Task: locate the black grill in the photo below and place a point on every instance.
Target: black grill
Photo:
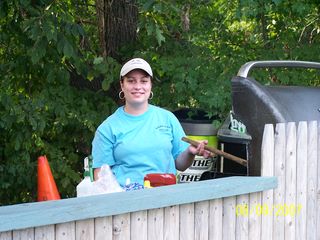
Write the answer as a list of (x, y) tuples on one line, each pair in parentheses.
[(256, 104)]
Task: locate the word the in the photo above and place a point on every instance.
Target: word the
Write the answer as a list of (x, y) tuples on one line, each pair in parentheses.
[(189, 177)]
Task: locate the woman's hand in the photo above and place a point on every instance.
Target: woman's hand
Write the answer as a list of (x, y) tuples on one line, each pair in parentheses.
[(96, 173), (185, 159), (200, 151)]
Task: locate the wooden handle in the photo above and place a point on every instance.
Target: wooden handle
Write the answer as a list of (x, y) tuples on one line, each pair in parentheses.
[(241, 161)]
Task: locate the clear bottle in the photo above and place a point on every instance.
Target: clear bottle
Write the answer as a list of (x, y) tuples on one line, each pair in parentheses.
[(84, 188)]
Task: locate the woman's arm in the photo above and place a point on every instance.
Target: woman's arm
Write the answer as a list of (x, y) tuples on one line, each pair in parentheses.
[(185, 159)]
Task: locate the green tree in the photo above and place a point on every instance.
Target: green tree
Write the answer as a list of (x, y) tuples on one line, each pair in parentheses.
[(42, 47)]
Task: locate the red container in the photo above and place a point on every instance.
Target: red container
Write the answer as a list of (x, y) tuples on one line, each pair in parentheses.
[(160, 179)]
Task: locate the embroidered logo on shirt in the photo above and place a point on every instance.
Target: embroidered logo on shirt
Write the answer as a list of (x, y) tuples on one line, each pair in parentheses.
[(163, 128)]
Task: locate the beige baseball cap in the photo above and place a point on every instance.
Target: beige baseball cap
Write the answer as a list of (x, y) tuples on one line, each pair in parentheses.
[(135, 63)]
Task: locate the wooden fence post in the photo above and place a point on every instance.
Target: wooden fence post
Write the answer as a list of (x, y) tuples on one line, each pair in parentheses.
[(267, 169)]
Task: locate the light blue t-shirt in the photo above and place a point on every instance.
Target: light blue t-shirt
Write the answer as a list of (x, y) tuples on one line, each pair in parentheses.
[(134, 146)]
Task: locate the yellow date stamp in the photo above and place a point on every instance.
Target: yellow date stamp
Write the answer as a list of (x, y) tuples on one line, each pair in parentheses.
[(278, 210)]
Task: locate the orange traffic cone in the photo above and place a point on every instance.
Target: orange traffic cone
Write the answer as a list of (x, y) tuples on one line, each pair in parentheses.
[(47, 188)]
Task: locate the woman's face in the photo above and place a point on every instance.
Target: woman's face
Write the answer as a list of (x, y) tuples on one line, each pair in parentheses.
[(136, 86)]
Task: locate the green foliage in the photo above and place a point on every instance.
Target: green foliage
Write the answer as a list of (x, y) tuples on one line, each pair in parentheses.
[(194, 47), (41, 113), (58, 122), (196, 66)]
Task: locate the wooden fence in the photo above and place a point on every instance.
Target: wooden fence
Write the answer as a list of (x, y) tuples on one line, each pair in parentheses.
[(227, 208), (199, 210), (291, 152)]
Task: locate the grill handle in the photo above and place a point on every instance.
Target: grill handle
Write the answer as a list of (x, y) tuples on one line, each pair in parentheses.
[(246, 68)]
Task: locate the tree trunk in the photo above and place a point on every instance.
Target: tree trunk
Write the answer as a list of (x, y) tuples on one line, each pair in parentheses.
[(117, 24), (100, 9)]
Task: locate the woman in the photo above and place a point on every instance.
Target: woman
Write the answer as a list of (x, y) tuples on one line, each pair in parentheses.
[(140, 138)]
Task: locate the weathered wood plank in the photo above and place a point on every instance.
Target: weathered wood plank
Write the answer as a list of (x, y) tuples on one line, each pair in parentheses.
[(187, 221), (45, 233), (103, 228), (66, 231), (229, 218), (31, 215), (291, 178), (279, 172), (156, 223), (6, 235), (24, 234), (139, 225), (318, 186), (186, 215), (121, 226), (312, 166), (254, 217), (267, 169), (242, 217), (85, 229), (301, 183), (171, 222), (215, 219), (201, 223)]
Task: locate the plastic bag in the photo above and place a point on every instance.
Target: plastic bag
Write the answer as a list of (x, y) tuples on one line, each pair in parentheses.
[(106, 183)]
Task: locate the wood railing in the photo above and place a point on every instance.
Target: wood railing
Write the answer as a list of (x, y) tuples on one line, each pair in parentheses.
[(183, 211)]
